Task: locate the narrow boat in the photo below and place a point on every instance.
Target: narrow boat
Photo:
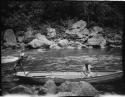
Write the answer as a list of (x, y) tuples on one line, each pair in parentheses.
[(42, 76), (59, 77)]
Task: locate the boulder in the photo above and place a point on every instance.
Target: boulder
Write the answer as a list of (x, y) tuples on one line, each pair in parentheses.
[(63, 43), (22, 45), (39, 41), (65, 94), (20, 39), (43, 39), (78, 29), (74, 32), (20, 89), (71, 42), (9, 45), (29, 33), (65, 87), (97, 40), (85, 32), (50, 86), (79, 47), (75, 88), (87, 89), (42, 91), (51, 32), (80, 35), (78, 88), (97, 29), (80, 24), (10, 37), (76, 44), (103, 43), (35, 43), (94, 41), (55, 46), (70, 47)]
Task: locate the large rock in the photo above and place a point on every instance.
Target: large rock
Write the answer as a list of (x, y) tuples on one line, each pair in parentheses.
[(55, 46), (63, 43), (103, 43), (86, 89), (78, 29), (76, 45), (94, 41), (70, 47), (65, 87), (29, 33), (35, 43), (74, 32), (51, 32), (39, 41), (42, 91), (65, 94), (22, 45), (20, 39), (80, 24), (85, 32), (50, 86), (43, 39), (20, 89), (97, 40), (95, 30), (78, 88), (10, 37)]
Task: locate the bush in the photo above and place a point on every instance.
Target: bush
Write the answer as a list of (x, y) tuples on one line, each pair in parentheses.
[(20, 15)]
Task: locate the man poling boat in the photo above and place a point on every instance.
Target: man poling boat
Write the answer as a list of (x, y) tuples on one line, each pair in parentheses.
[(20, 61), (86, 69)]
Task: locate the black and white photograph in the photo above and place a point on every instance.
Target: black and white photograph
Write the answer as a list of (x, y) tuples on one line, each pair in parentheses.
[(62, 48)]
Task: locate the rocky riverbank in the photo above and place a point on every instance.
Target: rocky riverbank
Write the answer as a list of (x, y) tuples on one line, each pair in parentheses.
[(77, 36), (50, 87)]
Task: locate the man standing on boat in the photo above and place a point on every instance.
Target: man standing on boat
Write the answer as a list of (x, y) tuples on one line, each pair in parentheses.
[(86, 69), (19, 61)]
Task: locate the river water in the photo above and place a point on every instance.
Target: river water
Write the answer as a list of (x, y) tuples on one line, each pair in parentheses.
[(70, 60), (73, 60)]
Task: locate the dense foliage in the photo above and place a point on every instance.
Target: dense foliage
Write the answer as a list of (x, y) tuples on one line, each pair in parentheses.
[(19, 15)]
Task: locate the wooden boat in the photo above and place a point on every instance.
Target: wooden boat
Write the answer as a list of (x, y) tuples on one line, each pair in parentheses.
[(42, 76), (58, 77)]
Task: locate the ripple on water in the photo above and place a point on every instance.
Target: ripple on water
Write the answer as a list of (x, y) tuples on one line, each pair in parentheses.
[(63, 59)]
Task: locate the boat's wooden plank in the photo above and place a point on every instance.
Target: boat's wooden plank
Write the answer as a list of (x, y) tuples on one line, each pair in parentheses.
[(106, 77), (59, 74)]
